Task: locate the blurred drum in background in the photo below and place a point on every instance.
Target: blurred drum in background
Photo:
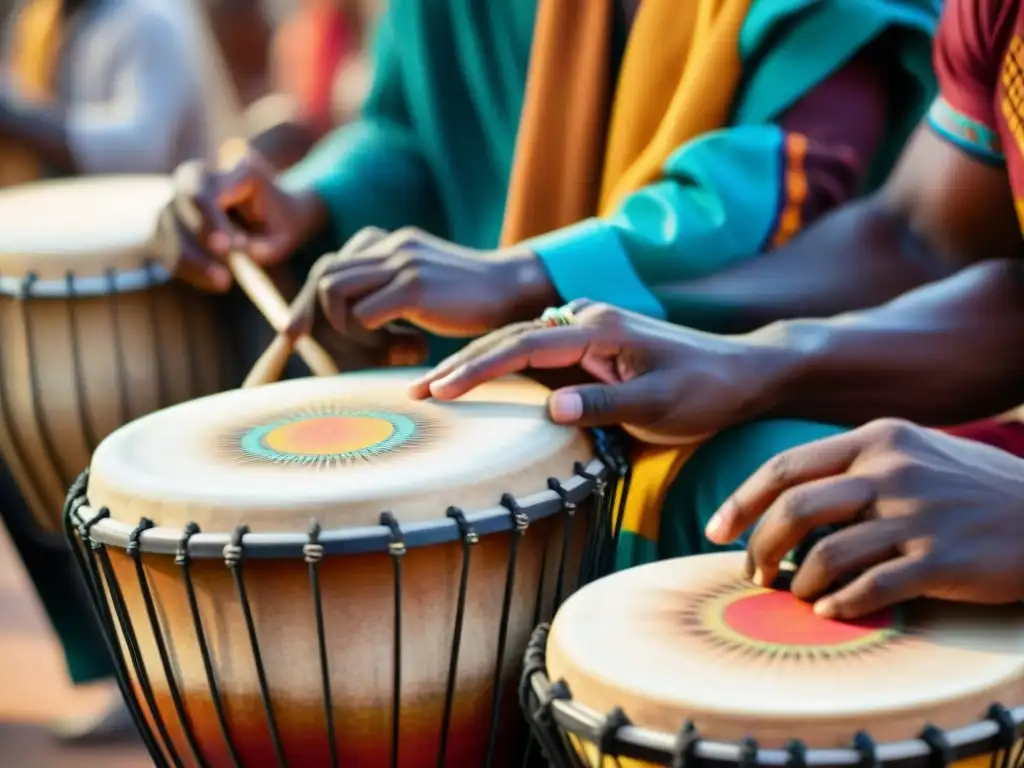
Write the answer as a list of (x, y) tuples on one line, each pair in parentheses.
[(93, 333)]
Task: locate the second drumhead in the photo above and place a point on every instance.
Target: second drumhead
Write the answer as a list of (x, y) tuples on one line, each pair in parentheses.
[(339, 449), (692, 639)]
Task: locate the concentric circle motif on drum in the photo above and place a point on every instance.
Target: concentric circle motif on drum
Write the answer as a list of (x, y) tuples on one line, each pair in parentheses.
[(328, 436), (753, 621)]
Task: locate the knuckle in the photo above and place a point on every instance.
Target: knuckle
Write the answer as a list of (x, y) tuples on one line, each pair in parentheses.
[(603, 315), (903, 472), (408, 235), (793, 508), (779, 469), (599, 401), (825, 557), (890, 433)]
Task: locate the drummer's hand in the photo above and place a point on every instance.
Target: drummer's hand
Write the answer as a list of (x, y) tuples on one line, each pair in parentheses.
[(928, 514), (443, 288), (239, 209), (664, 383)]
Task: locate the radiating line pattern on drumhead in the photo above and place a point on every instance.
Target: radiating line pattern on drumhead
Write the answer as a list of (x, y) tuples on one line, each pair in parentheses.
[(328, 435), (752, 622)]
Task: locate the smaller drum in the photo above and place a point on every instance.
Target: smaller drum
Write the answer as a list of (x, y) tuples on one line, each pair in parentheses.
[(685, 662), (93, 333), (390, 630)]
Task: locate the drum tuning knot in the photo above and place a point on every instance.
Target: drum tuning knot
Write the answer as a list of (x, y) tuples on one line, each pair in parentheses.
[(314, 553), (232, 554), (396, 548)]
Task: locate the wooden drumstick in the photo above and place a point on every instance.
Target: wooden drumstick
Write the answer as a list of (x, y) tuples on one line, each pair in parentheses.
[(270, 365)]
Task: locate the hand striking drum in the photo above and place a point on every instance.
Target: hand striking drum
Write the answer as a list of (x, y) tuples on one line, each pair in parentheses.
[(388, 632), (685, 662)]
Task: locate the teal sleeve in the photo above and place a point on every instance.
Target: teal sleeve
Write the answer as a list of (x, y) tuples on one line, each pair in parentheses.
[(372, 172), (715, 206)]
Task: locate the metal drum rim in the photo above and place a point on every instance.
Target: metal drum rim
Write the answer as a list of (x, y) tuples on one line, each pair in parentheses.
[(339, 541), (149, 274)]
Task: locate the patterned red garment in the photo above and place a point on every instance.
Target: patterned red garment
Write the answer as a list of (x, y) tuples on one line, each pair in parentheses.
[(979, 60)]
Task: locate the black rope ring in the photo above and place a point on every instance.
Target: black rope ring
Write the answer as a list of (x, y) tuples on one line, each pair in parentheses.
[(181, 555), (519, 518), (686, 746), (133, 538), (941, 752), (234, 552), (396, 547), (465, 527), (609, 729), (748, 753), (796, 752), (1006, 736), (313, 550), (556, 485), (866, 747)]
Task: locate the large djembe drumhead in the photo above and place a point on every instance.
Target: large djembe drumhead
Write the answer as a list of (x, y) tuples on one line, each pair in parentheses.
[(693, 640), (443, 532)]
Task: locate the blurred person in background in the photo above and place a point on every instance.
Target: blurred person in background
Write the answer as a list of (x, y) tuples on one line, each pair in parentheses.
[(319, 59), (99, 87)]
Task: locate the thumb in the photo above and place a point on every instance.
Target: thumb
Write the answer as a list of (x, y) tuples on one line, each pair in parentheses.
[(600, 405)]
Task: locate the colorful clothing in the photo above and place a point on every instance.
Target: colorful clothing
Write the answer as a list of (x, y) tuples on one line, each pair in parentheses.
[(979, 61), (436, 144)]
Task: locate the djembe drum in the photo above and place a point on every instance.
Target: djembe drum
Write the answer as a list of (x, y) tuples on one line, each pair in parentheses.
[(92, 331), (387, 631), (684, 662)]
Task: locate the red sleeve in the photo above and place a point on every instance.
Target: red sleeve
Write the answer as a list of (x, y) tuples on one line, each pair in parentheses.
[(969, 45)]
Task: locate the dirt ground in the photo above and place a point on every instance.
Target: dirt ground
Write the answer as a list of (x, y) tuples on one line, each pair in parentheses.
[(34, 688)]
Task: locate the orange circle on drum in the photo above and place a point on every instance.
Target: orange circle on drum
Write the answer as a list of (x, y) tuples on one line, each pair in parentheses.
[(328, 435)]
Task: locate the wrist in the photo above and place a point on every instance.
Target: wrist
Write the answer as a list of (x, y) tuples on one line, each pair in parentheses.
[(309, 211), (782, 353), (532, 290)]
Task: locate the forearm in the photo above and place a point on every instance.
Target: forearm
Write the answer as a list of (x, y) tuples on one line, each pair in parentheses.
[(943, 354), (859, 256), (40, 128)]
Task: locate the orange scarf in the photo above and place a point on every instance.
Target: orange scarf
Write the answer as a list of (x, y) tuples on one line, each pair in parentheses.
[(679, 76), (36, 40)]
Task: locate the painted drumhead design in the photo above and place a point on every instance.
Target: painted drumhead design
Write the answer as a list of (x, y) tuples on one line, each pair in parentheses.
[(693, 639), (340, 450)]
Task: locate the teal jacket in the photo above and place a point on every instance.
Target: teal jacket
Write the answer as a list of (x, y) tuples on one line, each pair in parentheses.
[(435, 143)]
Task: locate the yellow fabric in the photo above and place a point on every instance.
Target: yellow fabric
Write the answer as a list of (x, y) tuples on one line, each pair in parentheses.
[(36, 40), (678, 80)]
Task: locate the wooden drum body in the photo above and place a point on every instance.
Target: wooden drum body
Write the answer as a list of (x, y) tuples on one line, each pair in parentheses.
[(685, 662), (387, 631), (92, 331)]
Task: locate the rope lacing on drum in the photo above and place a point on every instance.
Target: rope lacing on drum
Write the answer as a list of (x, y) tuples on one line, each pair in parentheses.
[(685, 748), (135, 552), (234, 558), (469, 538), (569, 507), (183, 560), (608, 730), (85, 529), (27, 283), (748, 753), (940, 750), (396, 548), (313, 551), (866, 747)]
